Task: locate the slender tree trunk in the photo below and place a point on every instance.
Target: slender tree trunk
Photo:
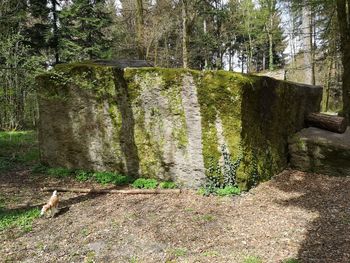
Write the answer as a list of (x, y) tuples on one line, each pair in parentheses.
[(185, 37), (55, 30), (271, 67), (139, 29), (307, 42), (166, 51), (264, 61), (344, 29), (206, 66)]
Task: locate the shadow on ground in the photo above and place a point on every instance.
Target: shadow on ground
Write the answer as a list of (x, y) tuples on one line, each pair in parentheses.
[(327, 238)]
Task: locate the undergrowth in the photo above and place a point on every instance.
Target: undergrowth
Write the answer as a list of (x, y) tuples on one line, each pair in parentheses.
[(22, 218), (83, 176), (144, 183), (18, 148), (221, 180)]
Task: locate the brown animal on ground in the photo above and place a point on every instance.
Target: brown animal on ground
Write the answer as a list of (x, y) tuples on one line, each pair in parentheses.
[(51, 208)]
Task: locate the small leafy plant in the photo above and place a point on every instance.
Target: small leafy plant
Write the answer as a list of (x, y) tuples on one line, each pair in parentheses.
[(144, 183), (59, 172), (221, 180), (83, 176), (110, 177), (167, 185), (252, 259), (228, 191)]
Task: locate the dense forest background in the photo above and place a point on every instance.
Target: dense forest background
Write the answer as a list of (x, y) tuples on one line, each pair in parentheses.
[(307, 39)]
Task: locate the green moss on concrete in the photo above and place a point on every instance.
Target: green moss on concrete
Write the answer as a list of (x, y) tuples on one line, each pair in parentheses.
[(257, 114), (220, 96)]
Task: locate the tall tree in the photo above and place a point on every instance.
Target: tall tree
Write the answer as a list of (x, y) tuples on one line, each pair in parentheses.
[(84, 24), (139, 25), (343, 12)]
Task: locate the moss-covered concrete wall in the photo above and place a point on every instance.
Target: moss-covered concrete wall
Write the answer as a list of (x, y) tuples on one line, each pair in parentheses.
[(169, 123)]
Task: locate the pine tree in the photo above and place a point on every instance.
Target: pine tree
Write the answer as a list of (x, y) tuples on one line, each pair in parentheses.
[(84, 27)]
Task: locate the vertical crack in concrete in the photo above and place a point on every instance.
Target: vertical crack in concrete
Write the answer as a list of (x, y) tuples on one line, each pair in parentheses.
[(127, 132)]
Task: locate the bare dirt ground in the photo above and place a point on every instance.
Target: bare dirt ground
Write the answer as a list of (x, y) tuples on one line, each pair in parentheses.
[(295, 215)]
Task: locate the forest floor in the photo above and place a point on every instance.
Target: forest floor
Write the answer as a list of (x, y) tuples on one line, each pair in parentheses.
[(295, 217)]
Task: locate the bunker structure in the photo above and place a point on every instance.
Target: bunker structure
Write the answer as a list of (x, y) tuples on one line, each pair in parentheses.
[(171, 124)]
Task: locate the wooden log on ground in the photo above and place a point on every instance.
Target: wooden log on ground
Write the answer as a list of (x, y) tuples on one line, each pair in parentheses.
[(114, 191), (327, 122)]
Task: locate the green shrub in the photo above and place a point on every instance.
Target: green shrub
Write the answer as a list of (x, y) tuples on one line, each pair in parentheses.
[(111, 178), (145, 183), (228, 191), (167, 185)]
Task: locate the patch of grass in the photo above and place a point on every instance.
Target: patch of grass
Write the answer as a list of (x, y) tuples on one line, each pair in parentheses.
[(39, 169), (290, 260), (59, 172), (167, 185), (18, 148), (179, 252), (85, 232), (252, 259), (208, 218), (133, 259), (144, 183), (111, 178), (210, 253), (90, 257), (18, 218), (202, 191), (228, 191)]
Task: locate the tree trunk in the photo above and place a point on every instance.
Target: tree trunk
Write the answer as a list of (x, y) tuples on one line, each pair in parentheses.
[(55, 30), (270, 52), (206, 66), (327, 122), (139, 28), (344, 29), (185, 39), (307, 42)]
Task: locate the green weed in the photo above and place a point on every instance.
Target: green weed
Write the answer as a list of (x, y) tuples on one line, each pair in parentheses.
[(59, 172), (167, 185), (83, 176), (179, 252), (228, 191), (111, 178), (18, 218), (145, 183), (252, 259)]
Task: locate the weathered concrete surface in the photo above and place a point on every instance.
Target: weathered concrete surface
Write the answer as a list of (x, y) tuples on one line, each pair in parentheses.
[(169, 123), (321, 151)]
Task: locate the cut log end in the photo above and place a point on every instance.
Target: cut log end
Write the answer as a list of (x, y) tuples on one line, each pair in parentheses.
[(327, 122)]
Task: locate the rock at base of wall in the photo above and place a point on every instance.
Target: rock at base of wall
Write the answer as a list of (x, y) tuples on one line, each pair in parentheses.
[(319, 151)]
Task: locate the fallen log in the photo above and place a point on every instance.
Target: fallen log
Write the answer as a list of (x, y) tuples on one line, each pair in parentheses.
[(327, 122), (114, 191)]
